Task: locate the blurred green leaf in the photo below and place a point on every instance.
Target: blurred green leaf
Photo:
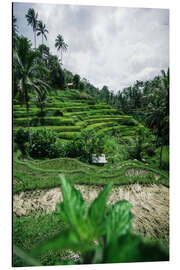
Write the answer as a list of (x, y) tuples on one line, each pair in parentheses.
[(97, 209), (72, 211), (118, 221), (131, 248), (25, 257)]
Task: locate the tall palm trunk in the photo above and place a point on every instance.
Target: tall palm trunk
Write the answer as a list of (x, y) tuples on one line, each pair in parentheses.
[(35, 38)]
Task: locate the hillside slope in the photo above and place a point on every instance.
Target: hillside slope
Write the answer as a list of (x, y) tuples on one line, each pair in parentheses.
[(69, 112)]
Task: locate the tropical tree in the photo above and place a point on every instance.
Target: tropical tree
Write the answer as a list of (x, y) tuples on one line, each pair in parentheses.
[(31, 17), (29, 72), (60, 45), (57, 78), (41, 28), (76, 80), (157, 115), (41, 100)]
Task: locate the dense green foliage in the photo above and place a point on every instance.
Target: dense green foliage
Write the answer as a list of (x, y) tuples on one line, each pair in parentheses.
[(43, 144), (84, 145)]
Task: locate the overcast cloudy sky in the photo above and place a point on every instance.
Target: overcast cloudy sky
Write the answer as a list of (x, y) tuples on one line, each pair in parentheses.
[(110, 46)]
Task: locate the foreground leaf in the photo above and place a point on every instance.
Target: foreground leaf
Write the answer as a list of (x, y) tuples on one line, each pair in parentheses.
[(97, 209), (25, 257), (72, 211), (131, 248), (118, 221)]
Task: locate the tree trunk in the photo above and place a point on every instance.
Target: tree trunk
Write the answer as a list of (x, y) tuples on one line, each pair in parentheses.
[(42, 39), (161, 157), (35, 39)]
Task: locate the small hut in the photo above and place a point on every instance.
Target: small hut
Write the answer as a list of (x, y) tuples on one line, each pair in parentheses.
[(70, 85), (99, 160)]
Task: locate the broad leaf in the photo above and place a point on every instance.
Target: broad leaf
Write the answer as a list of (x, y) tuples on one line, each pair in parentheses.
[(72, 211), (97, 209), (118, 221)]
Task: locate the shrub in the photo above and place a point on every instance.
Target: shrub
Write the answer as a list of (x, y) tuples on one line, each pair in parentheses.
[(43, 144), (84, 145), (21, 138)]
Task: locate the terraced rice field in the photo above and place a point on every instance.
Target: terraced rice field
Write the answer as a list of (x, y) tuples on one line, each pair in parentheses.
[(68, 114)]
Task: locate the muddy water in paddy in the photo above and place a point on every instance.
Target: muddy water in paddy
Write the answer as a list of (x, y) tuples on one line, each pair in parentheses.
[(150, 205)]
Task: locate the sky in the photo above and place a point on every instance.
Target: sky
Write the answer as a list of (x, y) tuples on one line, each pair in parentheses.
[(110, 46)]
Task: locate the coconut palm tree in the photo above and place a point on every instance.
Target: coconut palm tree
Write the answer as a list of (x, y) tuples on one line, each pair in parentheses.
[(29, 72), (33, 21), (60, 45), (41, 28)]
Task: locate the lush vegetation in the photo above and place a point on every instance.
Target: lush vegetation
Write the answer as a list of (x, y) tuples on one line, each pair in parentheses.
[(56, 130)]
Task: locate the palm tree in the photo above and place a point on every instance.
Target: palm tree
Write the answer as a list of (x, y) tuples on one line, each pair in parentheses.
[(60, 45), (29, 72), (42, 30), (32, 20)]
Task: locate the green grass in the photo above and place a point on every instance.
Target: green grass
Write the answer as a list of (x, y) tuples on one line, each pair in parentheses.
[(98, 126), (93, 112), (39, 175), (126, 120), (28, 231), (122, 130)]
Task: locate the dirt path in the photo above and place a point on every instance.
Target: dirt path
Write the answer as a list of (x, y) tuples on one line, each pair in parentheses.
[(150, 205)]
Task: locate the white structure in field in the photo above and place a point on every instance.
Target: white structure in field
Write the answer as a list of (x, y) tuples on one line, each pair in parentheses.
[(99, 159)]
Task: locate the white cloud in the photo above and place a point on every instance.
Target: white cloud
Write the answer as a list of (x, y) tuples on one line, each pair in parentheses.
[(108, 46)]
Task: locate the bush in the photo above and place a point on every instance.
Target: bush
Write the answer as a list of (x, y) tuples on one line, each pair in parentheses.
[(84, 145), (21, 138), (115, 149), (43, 144)]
